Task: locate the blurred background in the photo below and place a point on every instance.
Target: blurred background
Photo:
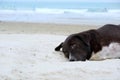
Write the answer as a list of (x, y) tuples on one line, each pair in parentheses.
[(61, 11)]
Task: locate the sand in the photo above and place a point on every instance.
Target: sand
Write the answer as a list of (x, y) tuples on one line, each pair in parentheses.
[(42, 28), (27, 53)]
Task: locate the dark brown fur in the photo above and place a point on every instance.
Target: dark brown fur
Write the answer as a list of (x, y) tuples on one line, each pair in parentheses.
[(79, 47)]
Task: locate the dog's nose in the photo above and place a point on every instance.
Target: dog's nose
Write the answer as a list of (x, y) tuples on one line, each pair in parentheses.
[(72, 60), (71, 57)]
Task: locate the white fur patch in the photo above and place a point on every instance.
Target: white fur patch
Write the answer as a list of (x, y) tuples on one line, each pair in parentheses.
[(108, 52)]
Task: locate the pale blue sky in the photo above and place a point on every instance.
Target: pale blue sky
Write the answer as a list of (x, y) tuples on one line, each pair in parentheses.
[(80, 0), (67, 0)]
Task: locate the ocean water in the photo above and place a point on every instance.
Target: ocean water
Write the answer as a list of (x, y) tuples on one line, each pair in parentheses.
[(60, 12)]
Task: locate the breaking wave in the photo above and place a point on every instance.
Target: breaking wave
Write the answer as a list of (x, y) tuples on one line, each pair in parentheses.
[(77, 11)]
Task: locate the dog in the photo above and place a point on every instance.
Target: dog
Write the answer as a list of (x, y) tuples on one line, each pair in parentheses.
[(84, 45)]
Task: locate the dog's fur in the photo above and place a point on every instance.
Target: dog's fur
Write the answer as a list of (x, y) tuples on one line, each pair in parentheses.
[(80, 46)]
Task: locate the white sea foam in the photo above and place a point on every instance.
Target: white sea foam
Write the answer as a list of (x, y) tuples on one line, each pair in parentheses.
[(114, 10), (62, 11), (59, 11), (74, 16), (49, 11), (77, 11), (16, 11)]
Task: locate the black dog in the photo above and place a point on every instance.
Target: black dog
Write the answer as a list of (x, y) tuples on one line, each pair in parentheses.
[(79, 47)]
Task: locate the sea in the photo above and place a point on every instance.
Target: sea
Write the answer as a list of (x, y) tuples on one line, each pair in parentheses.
[(60, 12)]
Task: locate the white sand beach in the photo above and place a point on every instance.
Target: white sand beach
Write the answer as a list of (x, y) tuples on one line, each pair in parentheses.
[(27, 53)]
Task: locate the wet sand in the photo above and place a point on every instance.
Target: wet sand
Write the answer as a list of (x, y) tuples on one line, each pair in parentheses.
[(43, 28)]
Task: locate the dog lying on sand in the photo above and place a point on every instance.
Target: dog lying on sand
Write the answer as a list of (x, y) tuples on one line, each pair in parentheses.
[(92, 44)]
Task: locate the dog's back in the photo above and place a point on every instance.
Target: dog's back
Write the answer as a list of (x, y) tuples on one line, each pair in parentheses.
[(109, 33), (110, 29)]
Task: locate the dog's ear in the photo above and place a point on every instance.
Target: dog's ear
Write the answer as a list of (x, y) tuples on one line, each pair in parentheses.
[(59, 47), (85, 38), (95, 41)]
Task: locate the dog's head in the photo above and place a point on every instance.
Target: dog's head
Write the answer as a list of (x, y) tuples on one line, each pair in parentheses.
[(79, 47)]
